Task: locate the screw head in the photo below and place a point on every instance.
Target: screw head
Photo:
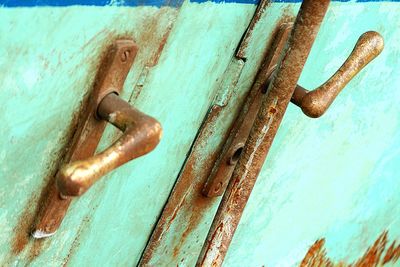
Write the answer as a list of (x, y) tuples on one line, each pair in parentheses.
[(125, 55)]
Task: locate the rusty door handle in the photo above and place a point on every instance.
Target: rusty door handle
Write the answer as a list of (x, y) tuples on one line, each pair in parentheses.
[(314, 103), (142, 134), (82, 168)]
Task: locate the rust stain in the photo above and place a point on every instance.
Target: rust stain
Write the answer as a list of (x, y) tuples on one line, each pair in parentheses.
[(34, 205), (154, 59), (150, 40), (199, 203), (376, 255), (22, 230), (241, 52), (32, 209), (393, 253)]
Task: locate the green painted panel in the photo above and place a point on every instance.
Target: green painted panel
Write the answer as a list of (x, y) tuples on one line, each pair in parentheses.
[(333, 179)]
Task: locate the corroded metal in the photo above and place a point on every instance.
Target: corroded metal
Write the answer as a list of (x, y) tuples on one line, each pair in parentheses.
[(224, 166), (263, 132), (142, 134), (314, 103), (110, 79)]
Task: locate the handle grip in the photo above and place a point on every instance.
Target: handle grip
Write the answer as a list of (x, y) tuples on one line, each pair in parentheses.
[(314, 103), (142, 134)]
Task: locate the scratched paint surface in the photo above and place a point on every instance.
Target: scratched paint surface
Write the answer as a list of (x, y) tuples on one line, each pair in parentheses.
[(329, 191), (48, 60)]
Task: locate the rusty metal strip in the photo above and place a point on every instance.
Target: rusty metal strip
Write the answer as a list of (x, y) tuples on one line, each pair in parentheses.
[(224, 166), (110, 78), (265, 127)]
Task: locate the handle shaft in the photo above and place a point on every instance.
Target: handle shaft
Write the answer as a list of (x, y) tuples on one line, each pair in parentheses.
[(314, 103), (141, 135)]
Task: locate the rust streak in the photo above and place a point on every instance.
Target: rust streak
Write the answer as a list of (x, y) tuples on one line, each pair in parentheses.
[(392, 254), (241, 52), (34, 205), (375, 255)]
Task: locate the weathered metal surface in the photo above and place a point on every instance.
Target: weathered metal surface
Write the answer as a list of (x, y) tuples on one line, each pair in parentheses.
[(141, 134), (265, 127), (225, 164), (110, 78), (314, 103)]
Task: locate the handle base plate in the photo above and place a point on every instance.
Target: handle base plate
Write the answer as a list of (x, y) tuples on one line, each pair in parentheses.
[(110, 78)]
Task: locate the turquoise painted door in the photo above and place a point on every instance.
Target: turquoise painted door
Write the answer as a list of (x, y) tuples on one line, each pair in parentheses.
[(327, 192), (50, 53)]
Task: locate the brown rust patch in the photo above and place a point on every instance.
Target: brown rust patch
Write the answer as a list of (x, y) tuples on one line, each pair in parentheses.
[(376, 255), (392, 253), (242, 49), (32, 209), (150, 40), (154, 59), (23, 228)]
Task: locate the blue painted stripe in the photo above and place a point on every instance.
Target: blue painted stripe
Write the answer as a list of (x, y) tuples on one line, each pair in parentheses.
[(133, 3), (64, 3)]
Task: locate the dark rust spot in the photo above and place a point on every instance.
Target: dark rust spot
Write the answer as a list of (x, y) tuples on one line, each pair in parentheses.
[(272, 110)]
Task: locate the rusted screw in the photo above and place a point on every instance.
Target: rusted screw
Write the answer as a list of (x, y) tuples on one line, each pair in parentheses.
[(125, 55), (218, 187)]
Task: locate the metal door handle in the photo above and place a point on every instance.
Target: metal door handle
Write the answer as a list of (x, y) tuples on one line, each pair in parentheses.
[(142, 134), (314, 103)]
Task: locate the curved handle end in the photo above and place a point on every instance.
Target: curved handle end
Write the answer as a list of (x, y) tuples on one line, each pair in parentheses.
[(142, 134), (314, 103)]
